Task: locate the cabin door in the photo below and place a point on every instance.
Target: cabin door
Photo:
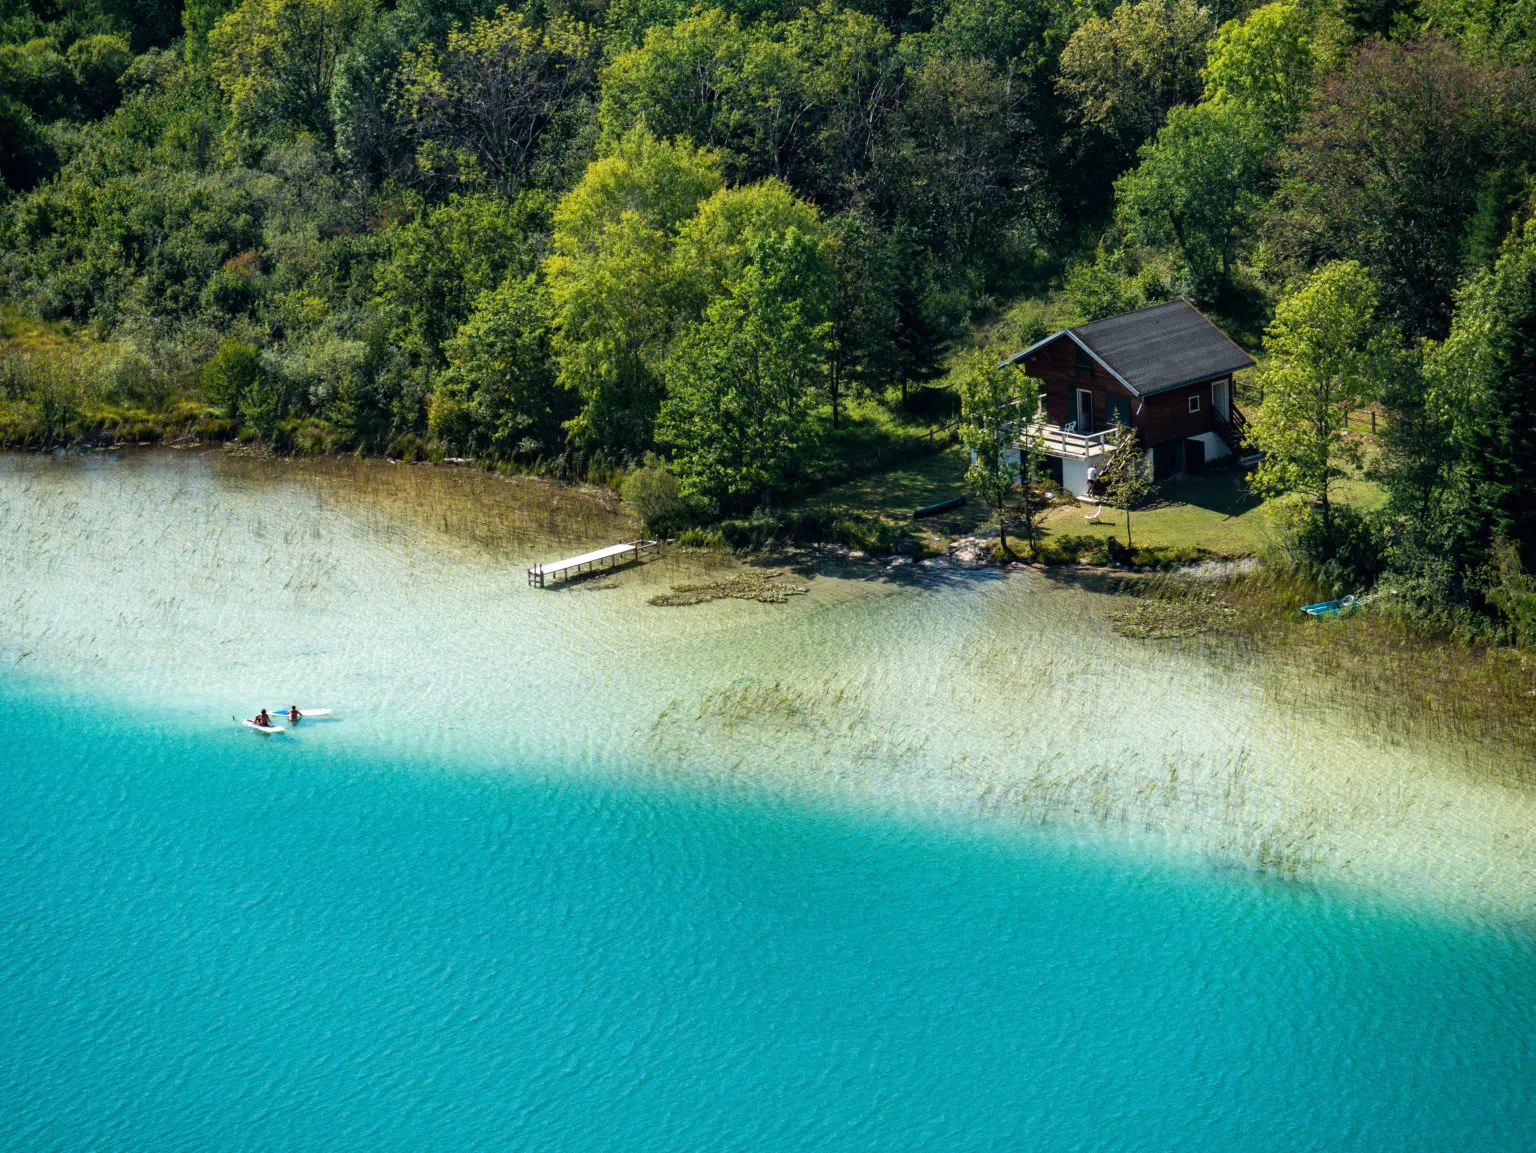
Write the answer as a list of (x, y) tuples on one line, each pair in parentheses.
[(1084, 410), (1221, 399)]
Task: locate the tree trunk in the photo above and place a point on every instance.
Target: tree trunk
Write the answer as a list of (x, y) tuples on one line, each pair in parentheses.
[(1002, 533)]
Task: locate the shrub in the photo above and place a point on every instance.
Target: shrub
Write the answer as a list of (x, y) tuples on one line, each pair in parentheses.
[(1349, 561), (702, 538), (858, 530), (1512, 592), (230, 378), (655, 495)]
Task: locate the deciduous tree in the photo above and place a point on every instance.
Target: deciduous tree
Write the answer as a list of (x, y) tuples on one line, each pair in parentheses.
[(804, 100), (1196, 190), (1322, 365), (1123, 74), (615, 286), (1388, 167), (998, 403), (1264, 64), (741, 383), (1125, 478), (231, 374), (479, 106), (275, 61), (500, 382)]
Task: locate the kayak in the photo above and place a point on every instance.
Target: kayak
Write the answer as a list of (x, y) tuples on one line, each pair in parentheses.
[(250, 724), (282, 714)]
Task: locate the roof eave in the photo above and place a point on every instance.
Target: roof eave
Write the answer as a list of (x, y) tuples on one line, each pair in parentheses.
[(1039, 344), (1077, 340), (1204, 376)]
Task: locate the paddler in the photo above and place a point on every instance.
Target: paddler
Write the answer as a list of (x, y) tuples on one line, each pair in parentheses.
[(294, 716), (263, 719)]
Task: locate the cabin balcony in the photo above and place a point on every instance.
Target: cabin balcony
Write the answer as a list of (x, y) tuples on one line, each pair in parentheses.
[(1081, 454), (1067, 443)]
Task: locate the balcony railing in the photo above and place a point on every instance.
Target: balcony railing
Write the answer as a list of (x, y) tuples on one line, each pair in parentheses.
[(1069, 443)]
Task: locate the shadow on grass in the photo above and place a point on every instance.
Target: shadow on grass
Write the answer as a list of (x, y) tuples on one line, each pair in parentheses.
[(1221, 491)]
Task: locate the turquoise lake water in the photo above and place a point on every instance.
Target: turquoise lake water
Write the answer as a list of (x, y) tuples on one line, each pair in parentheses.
[(474, 915)]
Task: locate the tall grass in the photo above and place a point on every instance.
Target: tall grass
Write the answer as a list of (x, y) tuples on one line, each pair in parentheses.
[(1372, 671)]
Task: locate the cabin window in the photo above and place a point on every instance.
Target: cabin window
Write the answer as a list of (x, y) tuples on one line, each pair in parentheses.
[(1117, 410), (1194, 403), (1083, 363)]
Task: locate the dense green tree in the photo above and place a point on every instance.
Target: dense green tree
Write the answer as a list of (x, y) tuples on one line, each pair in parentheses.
[(803, 101), (276, 60), (26, 154), (435, 263), (97, 63), (498, 394), (1264, 64), (231, 375), (1482, 383), (37, 75), (1367, 18), (1123, 74), (742, 381), (1502, 29), (198, 18), (717, 241), (1023, 36), (1388, 168), (1323, 358), (615, 287), (480, 106), (862, 355), (654, 494), (963, 163), (1196, 190), (660, 182), (1456, 450)]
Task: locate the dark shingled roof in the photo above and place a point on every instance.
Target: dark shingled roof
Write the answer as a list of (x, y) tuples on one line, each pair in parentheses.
[(1158, 348)]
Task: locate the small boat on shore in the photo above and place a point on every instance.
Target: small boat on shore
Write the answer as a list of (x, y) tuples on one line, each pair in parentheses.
[(941, 506), (1341, 607)]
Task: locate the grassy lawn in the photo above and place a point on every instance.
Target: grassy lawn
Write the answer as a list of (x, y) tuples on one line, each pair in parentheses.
[(1215, 511)]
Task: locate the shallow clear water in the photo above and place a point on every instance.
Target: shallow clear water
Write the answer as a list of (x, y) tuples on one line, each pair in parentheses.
[(874, 870)]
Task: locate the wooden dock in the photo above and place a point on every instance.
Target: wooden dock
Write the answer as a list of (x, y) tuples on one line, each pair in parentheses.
[(613, 556)]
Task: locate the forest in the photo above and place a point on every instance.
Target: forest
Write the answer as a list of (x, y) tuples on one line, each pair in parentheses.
[(588, 235)]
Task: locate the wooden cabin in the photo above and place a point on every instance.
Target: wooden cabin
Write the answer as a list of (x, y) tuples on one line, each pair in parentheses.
[(1166, 371)]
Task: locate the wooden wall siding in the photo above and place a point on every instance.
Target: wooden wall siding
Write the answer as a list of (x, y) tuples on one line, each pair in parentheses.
[(1055, 367), (1166, 415), (1163, 417)]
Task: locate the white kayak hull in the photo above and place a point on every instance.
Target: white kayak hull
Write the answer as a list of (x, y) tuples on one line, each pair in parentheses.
[(282, 714), (261, 728)]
